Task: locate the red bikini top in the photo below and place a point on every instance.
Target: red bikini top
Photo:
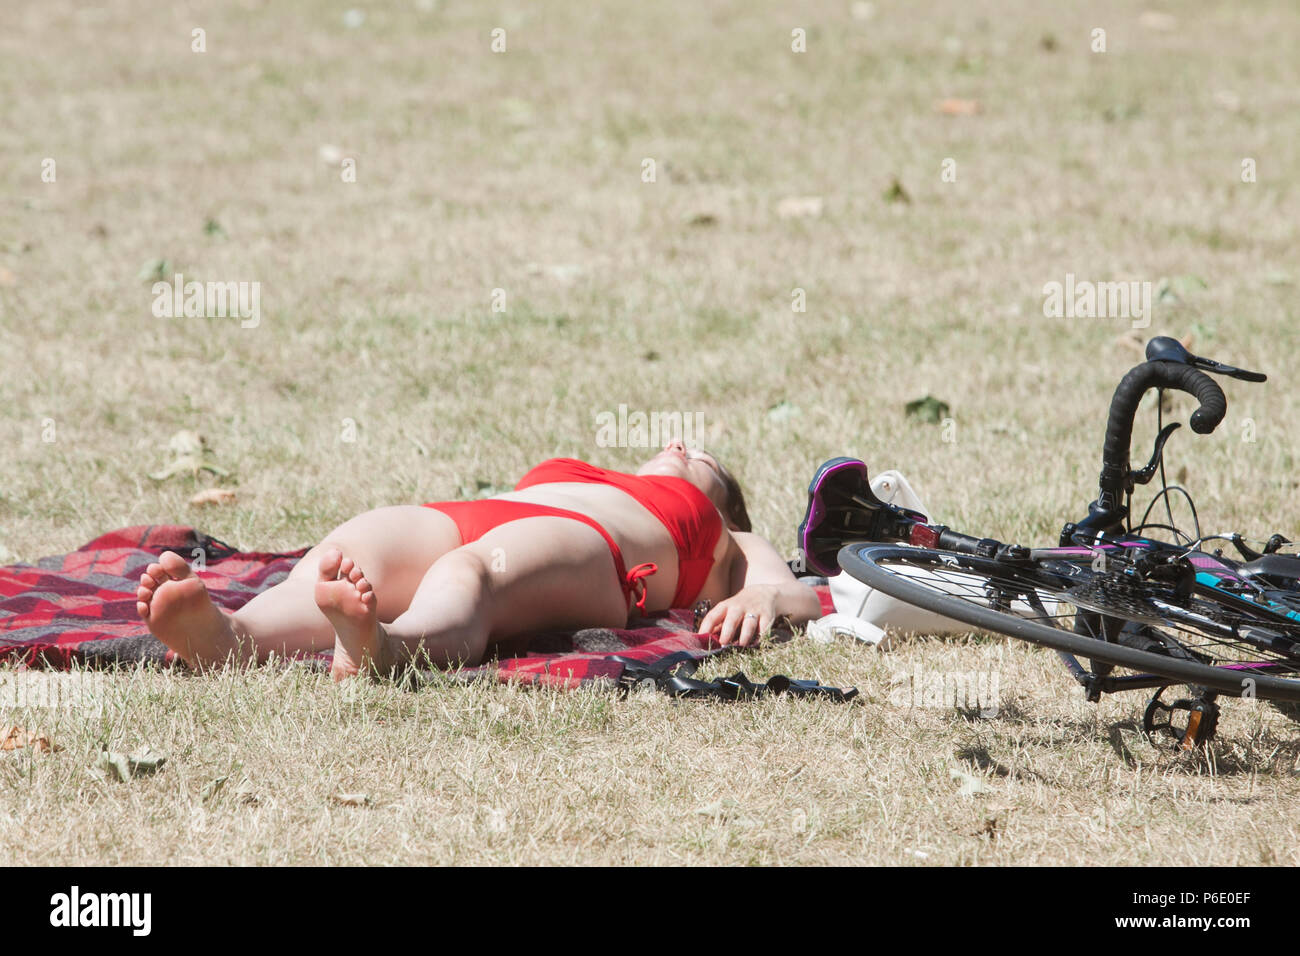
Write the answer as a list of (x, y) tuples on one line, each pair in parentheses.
[(685, 511)]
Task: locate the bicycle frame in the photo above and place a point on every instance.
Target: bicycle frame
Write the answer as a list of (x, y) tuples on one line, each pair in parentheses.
[(1213, 573)]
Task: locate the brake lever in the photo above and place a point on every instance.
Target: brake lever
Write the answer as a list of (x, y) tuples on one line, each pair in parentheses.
[(1165, 348), (1272, 546), (1247, 552), (1218, 368), (1144, 475)]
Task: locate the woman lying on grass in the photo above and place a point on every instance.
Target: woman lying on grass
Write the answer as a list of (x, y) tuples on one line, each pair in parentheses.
[(443, 582)]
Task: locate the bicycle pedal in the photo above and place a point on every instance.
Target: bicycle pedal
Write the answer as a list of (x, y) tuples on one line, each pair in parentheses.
[(1202, 721)]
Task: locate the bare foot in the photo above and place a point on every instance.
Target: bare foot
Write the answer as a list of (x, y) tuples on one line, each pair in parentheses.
[(174, 602), (347, 599)]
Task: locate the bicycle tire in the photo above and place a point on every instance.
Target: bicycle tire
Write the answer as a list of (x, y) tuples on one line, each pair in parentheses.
[(863, 562)]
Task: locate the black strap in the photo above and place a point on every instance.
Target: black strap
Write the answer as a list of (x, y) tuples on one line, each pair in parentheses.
[(672, 675)]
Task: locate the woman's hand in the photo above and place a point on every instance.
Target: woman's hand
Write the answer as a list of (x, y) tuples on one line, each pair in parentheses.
[(744, 617)]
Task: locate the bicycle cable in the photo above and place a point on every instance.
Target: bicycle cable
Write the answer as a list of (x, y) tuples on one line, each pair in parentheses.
[(1165, 490), (1164, 493), (1158, 526), (1164, 483)]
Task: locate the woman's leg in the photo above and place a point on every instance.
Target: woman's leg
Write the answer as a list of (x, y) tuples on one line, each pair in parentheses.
[(533, 574), (399, 543)]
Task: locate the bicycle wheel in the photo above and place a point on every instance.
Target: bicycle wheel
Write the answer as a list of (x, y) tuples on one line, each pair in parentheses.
[(1204, 641)]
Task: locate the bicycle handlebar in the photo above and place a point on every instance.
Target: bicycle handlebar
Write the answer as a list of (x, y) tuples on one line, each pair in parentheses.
[(1123, 408)]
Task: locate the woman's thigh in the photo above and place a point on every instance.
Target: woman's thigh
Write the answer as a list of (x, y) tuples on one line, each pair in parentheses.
[(394, 547), (548, 572)]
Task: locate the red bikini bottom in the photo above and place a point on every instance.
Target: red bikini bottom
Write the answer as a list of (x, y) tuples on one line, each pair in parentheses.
[(476, 518)]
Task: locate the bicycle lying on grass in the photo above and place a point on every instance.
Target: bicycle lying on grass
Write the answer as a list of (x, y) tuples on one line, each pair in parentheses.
[(1124, 611)]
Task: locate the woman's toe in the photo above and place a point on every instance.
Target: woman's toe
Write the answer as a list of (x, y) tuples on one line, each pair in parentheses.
[(173, 565)]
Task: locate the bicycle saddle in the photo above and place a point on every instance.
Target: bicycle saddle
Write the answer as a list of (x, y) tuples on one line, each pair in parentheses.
[(842, 508)]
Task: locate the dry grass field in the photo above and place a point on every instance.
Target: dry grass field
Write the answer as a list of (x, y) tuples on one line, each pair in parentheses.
[(518, 179)]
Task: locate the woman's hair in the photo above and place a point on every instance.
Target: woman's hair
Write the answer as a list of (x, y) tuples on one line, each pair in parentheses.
[(736, 512)]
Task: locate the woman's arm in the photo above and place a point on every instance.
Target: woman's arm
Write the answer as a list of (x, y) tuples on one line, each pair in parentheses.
[(763, 589)]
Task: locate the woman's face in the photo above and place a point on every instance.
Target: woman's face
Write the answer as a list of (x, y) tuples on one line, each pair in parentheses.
[(696, 466)]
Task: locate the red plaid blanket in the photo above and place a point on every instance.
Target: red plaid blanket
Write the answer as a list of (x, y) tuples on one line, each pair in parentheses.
[(79, 608)]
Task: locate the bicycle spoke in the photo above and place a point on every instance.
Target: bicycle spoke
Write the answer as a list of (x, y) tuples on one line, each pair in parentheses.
[(1207, 631)]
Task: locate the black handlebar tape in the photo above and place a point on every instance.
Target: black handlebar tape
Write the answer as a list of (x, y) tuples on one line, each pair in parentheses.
[(1123, 407)]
